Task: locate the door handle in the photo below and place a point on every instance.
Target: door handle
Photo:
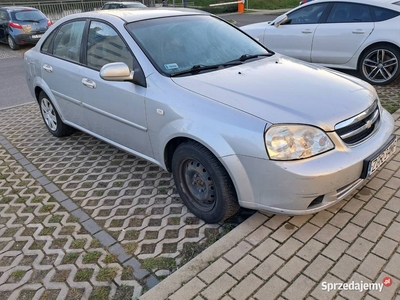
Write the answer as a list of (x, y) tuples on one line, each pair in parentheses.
[(47, 68), (306, 31), (359, 31), (89, 83)]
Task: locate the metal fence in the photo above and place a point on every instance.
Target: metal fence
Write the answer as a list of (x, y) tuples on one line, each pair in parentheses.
[(58, 9)]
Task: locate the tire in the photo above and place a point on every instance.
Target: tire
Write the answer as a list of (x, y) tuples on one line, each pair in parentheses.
[(203, 183), (13, 45), (51, 117), (380, 65)]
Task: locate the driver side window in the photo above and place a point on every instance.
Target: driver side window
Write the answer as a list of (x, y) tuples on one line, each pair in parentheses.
[(106, 46), (307, 15)]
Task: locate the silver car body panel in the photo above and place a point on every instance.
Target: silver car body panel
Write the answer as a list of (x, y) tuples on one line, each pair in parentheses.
[(228, 112)]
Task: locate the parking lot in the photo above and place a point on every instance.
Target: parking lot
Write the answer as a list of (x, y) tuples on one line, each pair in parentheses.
[(82, 219)]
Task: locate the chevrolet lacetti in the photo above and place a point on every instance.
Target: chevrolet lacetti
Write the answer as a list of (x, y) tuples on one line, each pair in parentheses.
[(235, 123)]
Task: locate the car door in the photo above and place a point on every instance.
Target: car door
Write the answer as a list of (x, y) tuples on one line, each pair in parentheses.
[(3, 25), (294, 37), (114, 110), (347, 27), (60, 69)]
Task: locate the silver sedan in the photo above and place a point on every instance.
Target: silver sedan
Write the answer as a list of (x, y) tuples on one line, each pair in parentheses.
[(236, 124)]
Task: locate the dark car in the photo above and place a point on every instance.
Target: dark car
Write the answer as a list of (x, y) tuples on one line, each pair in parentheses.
[(131, 4), (22, 25)]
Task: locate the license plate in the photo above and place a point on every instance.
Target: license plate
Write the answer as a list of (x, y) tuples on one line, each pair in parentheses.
[(375, 161), (37, 36)]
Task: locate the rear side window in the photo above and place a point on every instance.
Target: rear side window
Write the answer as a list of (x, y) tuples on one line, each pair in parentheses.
[(383, 14), (349, 13), (67, 42), (47, 43)]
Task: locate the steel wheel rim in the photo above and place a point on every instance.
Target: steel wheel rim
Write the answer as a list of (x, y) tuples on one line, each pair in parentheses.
[(199, 185), (380, 66), (49, 114)]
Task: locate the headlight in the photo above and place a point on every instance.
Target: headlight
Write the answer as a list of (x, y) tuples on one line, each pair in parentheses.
[(288, 142)]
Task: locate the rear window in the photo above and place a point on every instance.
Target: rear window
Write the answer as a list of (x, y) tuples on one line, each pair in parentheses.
[(27, 15)]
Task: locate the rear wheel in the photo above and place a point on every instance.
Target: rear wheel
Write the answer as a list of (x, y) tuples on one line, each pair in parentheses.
[(380, 65), (13, 45), (203, 183), (51, 117)]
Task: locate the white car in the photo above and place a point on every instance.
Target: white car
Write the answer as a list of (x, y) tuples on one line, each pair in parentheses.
[(361, 35)]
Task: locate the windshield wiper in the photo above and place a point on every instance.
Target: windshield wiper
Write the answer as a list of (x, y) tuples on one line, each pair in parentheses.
[(245, 57), (34, 21), (198, 68)]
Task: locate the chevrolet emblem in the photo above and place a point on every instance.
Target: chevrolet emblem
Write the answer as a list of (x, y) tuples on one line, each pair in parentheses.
[(368, 124)]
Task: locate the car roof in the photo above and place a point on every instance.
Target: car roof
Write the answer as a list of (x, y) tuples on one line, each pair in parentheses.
[(122, 2), (137, 14), (16, 8), (391, 4), (362, 1)]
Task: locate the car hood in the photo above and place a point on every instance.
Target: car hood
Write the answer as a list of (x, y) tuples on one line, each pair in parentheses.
[(280, 89)]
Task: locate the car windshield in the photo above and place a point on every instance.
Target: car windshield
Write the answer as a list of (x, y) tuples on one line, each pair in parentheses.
[(198, 42), (27, 15)]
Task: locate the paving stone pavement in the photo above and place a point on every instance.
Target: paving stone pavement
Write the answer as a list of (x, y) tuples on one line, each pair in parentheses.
[(281, 257), (45, 253), (125, 204)]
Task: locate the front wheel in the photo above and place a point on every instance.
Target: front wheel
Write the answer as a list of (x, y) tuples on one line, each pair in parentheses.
[(203, 183), (51, 117), (380, 65), (13, 45)]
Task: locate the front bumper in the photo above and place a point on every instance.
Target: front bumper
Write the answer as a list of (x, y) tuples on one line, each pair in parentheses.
[(304, 186)]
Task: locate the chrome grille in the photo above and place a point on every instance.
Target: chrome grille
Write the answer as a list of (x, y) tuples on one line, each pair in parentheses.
[(359, 128)]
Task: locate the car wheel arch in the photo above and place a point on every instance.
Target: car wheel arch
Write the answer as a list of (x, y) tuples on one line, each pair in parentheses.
[(38, 89), (174, 143), (375, 44), (392, 48)]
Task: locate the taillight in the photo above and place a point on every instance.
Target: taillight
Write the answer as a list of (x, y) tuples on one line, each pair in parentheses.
[(49, 23), (14, 25)]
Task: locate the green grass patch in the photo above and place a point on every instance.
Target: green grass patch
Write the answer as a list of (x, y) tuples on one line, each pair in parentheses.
[(95, 243), (56, 219), (78, 244), (37, 199), (110, 258), (159, 263), (18, 274), (107, 274), (47, 230), (83, 274), (130, 248), (47, 208), (91, 257), (100, 293), (70, 258)]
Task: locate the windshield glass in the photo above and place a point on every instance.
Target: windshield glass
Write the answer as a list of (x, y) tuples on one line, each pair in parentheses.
[(177, 44)]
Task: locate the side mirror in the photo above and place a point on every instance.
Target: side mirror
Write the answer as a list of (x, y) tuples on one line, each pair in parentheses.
[(280, 20), (118, 71)]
